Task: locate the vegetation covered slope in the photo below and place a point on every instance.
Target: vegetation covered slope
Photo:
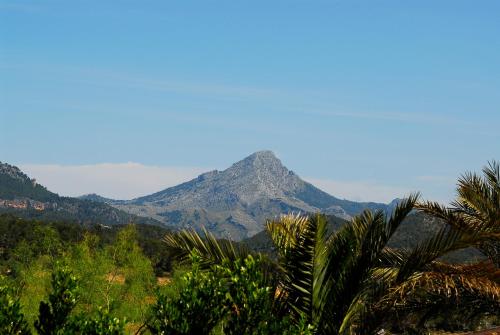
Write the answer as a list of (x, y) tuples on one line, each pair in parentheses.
[(24, 197)]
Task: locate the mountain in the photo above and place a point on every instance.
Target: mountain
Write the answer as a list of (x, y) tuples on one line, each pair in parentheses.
[(236, 202), (24, 197), (95, 197)]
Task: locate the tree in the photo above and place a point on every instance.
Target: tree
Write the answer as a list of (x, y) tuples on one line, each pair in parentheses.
[(56, 317), (197, 307), (476, 209), (475, 214), (233, 295), (350, 280)]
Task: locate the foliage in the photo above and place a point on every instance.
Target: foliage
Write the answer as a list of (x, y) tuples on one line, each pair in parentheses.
[(350, 280), (22, 186), (476, 209), (101, 324), (21, 240), (209, 249), (249, 302), (117, 276), (54, 314), (197, 307), (233, 294), (33, 283), (135, 271), (112, 269), (321, 280), (12, 320), (473, 219)]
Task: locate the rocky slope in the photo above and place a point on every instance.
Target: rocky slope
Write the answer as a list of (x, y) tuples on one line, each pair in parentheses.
[(236, 202)]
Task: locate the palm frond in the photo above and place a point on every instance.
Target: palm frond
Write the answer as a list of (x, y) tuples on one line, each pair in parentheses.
[(207, 246), (353, 252), (299, 241), (401, 212), (449, 285), (449, 216), (286, 231), (475, 198), (476, 210), (441, 243)]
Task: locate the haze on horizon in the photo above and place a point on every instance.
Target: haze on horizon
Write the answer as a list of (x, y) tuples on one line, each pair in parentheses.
[(367, 100)]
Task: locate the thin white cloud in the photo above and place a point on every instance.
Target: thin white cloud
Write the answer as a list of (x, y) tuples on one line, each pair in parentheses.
[(117, 181), (131, 180), (360, 190)]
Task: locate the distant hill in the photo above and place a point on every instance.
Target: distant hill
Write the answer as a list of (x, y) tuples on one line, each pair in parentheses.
[(15, 184), (95, 197), (416, 228), (24, 197), (236, 202)]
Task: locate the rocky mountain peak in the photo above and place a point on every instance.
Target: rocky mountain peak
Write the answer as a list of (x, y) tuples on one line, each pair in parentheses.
[(237, 201), (263, 158), (261, 164), (263, 155), (13, 172)]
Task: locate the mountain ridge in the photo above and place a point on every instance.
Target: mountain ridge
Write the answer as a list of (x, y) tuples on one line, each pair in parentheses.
[(237, 201), (24, 197)]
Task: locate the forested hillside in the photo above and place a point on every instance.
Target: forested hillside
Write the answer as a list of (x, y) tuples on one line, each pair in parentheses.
[(24, 197)]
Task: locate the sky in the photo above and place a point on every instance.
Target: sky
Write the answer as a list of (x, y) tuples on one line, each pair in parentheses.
[(369, 100)]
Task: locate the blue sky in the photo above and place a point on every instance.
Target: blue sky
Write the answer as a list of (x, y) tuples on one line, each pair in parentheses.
[(365, 98)]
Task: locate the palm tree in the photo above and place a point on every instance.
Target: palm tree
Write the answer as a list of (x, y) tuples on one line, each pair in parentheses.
[(327, 277), (475, 214), (349, 281), (477, 208)]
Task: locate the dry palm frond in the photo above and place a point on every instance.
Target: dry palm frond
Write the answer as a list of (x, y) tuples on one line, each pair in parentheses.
[(480, 269), (447, 285)]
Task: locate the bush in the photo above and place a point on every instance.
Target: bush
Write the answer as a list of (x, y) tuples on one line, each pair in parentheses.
[(12, 320), (249, 302), (195, 309), (102, 324), (54, 315), (233, 295)]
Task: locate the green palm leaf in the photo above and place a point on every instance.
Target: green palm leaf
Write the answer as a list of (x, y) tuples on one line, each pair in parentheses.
[(209, 249)]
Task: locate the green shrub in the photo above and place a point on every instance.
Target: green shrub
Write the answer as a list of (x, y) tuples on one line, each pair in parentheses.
[(196, 309), (232, 295), (54, 314), (102, 324), (12, 320), (249, 301)]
